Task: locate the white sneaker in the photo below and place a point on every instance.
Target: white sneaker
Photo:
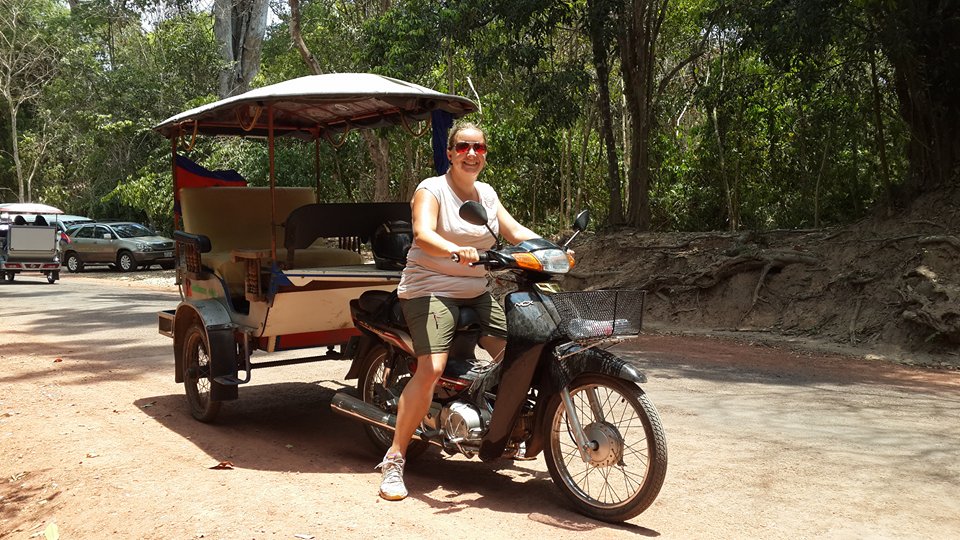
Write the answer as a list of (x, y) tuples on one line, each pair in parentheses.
[(391, 486)]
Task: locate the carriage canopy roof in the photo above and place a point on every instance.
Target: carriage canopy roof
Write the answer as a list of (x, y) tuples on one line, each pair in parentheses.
[(317, 106)]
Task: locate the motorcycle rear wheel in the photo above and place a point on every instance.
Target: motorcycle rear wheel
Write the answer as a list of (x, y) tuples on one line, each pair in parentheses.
[(381, 381), (628, 462)]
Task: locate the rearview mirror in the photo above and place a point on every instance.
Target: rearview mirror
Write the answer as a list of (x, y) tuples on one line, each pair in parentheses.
[(581, 221), (579, 225), (474, 213)]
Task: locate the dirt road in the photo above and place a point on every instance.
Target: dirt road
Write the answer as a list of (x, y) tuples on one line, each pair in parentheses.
[(764, 442)]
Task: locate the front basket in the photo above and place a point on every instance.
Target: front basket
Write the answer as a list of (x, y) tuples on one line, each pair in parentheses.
[(600, 314)]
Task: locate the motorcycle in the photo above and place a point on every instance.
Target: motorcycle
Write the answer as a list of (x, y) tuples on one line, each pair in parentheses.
[(558, 389)]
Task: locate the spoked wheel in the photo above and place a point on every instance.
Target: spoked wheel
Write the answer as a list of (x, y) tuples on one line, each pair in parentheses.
[(196, 379), (381, 382), (627, 456)]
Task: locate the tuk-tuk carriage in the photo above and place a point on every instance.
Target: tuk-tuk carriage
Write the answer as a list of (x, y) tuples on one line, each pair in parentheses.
[(28, 243), (280, 272)]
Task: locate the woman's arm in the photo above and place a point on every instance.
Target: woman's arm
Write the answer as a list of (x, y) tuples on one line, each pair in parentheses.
[(426, 210), (511, 229)]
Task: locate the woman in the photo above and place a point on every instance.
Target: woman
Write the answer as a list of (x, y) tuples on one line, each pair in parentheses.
[(433, 287)]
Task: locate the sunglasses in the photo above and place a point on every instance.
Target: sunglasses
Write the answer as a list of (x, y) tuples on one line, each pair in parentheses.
[(463, 147)]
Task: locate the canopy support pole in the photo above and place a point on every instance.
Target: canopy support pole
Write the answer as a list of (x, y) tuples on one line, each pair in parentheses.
[(273, 186), (173, 165), (316, 163)]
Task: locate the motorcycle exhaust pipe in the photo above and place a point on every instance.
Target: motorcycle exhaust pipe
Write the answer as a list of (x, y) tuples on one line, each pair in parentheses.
[(353, 407)]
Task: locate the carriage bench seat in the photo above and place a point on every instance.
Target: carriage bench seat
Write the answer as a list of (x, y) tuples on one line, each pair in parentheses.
[(239, 218)]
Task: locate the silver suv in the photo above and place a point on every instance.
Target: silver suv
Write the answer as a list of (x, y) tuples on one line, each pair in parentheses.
[(124, 244)]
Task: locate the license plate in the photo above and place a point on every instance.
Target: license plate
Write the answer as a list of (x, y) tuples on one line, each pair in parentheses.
[(168, 254)]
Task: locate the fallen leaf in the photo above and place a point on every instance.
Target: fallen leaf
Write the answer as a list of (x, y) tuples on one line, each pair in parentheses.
[(223, 465), (58, 360), (92, 454), (52, 532)]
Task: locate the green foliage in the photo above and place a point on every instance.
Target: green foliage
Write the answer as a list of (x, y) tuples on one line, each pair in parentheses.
[(781, 113)]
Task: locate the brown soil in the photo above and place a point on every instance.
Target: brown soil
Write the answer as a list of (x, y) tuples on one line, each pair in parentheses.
[(889, 284)]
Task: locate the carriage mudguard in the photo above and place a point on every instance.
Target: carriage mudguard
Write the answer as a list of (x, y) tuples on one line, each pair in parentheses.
[(215, 319)]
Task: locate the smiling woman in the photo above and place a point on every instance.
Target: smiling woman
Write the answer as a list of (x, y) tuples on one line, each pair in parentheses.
[(439, 280)]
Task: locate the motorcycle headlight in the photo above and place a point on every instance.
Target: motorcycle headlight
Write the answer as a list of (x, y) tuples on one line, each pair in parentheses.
[(551, 261)]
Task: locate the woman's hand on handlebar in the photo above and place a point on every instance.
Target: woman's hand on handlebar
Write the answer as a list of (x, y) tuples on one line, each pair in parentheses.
[(465, 255)]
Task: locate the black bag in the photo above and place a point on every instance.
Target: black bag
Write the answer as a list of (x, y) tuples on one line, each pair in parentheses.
[(390, 244)]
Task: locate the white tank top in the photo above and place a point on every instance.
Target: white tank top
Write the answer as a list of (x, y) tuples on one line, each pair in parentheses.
[(425, 274)]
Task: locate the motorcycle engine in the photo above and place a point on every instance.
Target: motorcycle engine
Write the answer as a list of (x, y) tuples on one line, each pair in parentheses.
[(462, 426)]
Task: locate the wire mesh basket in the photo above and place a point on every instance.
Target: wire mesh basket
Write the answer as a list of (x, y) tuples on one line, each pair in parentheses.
[(600, 314)]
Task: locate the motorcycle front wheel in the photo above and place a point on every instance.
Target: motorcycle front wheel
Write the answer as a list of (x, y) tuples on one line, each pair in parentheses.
[(381, 381), (627, 448)]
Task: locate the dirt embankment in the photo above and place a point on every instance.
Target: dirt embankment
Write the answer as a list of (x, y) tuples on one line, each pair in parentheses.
[(889, 283)]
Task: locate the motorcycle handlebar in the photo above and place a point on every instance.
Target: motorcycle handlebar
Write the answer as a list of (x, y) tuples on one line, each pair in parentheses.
[(484, 258)]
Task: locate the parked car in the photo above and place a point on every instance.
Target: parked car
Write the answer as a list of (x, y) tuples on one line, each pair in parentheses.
[(126, 245), (66, 221)]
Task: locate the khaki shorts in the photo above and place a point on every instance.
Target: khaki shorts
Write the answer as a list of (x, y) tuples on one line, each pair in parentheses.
[(433, 319)]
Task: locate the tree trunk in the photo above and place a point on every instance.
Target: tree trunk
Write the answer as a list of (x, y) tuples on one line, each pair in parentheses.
[(727, 188), (638, 35), (24, 195), (239, 26), (297, 37), (378, 147), (584, 147), (597, 21), (919, 38), (879, 138)]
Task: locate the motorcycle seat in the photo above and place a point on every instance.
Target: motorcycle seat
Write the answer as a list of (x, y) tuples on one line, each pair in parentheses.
[(373, 302)]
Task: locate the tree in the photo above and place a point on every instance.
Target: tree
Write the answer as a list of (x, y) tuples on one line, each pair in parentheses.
[(28, 61), (920, 40), (598, 21), (378, 147), (240, 26)]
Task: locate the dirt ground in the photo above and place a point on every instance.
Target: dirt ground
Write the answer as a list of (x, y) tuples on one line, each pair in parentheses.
[(888, 284), (766, 440)]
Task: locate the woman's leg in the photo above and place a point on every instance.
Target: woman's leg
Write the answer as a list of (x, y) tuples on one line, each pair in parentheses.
[(415, 399), (494, 346)]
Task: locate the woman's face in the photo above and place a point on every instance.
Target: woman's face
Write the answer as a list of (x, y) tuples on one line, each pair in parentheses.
[(468, 155)]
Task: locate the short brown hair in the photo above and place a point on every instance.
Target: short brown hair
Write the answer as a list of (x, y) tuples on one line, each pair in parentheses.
[(463, 126)]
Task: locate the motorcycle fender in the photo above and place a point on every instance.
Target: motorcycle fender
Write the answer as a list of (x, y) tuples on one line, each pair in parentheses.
[(360, 345), (594, 361), (220, 338)]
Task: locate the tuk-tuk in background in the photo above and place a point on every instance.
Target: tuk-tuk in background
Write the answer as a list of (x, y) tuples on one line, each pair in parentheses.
[(281, 273), (28, 242)]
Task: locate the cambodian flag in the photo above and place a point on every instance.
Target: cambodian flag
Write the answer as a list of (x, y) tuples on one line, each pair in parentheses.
[(190, 175)]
